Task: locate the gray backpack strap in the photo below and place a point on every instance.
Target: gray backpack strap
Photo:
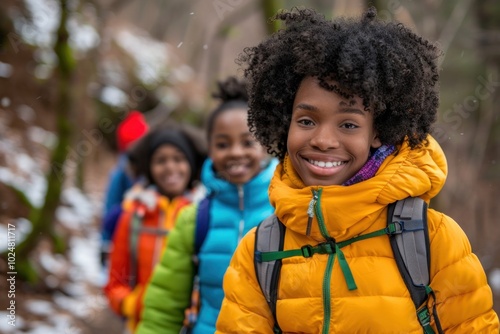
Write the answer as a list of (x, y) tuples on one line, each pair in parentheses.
[(411, 245), (269, 238)]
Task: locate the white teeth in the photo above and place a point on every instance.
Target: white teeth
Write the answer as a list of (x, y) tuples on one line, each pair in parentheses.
[(326, 164)]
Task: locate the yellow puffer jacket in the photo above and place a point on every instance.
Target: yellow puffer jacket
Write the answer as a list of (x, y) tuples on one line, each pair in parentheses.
[(312, 294)]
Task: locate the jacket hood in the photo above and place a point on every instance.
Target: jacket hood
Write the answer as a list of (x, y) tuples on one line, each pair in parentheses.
[(347, 210)]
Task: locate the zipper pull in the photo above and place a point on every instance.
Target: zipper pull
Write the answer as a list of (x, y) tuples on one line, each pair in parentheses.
[(310, 212), (241, 197)]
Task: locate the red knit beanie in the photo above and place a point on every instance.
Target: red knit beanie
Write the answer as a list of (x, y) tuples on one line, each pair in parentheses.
[(133, 127)]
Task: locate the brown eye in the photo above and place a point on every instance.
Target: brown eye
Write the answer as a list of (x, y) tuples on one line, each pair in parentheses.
[(306, 122)]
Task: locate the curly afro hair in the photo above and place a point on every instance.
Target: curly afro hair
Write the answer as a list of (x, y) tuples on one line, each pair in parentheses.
[(232, 93), (391, 68)]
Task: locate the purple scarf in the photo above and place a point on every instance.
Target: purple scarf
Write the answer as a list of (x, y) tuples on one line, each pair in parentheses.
[(372, 165)]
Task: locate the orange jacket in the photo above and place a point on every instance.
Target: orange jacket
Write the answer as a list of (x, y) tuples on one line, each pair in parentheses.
[(313, 296), (159, 213)]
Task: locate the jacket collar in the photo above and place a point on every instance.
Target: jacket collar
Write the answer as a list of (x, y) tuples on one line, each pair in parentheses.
[(351, 210), (255, 190)]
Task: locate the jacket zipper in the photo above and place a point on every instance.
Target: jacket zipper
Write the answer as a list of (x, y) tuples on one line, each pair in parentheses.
[(329, 265), (241, 197), (310, 212)]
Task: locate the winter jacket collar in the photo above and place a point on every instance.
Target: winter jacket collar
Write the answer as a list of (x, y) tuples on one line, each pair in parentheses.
[(225, 191), (349, 210)]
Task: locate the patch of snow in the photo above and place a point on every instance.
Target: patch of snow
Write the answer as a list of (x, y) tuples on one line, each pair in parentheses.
[(45, 17), (67, 217), (113, 96), (84, 254), (44, 21), (74, 289), (22, 172), (23, 227), (73, 305), (43, 71), (78, 210), (33, 189), (25, 163), (42, 136), (5, 102), (151, 56), (26, 113), (5, 70), (39, 307), (45, 56), (4, 325), (53, 263), (83, 37), (80, 203), (63, 324)]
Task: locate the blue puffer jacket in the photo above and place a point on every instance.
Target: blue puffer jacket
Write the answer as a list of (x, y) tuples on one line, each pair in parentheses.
[(233, 212)]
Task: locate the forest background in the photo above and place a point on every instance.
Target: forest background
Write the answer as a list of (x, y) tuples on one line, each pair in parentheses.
[(71, 69)]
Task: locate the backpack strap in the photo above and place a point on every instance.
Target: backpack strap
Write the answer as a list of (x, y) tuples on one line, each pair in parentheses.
[(411, 247), (200, 233), (135, 224), (135, 230), (202, 223), (269, 237)]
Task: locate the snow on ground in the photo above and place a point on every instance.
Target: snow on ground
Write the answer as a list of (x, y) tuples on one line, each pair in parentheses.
[(77, 275)]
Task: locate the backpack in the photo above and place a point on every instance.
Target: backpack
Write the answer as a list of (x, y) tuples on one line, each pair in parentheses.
[(408, 234)]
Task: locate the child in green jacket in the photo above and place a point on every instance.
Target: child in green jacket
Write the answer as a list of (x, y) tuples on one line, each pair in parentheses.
[(236, 177)]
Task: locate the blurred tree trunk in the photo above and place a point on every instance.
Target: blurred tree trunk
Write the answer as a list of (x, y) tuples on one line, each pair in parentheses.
[(487, 127), (43, 218)]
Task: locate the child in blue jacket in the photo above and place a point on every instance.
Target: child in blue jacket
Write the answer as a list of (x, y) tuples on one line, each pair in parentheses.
[(237, 178)]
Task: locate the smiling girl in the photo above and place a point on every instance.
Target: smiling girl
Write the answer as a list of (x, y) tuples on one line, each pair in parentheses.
[(169, 158), (347, 106), (236, 177)]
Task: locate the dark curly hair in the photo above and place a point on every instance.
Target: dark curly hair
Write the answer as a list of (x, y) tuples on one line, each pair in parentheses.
[(391, 68), (232, 93)]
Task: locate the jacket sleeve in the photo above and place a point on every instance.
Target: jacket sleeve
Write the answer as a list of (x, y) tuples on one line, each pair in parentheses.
[(169, 292), (244, 308), (464, 299), (118, 287)]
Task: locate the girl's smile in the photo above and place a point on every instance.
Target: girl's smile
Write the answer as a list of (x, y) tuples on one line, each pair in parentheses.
[(325, 167)]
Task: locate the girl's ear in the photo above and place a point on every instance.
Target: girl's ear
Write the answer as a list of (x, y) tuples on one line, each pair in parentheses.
[(376, 143)]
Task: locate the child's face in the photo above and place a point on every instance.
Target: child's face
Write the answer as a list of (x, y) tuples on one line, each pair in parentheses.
[(235, 153), (170, 170), (330, 137)]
